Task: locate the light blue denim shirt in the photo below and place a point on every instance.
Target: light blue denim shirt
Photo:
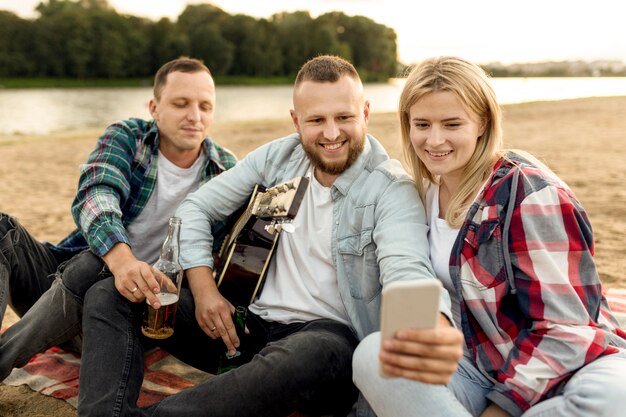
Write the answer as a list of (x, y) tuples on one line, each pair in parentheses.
[(379, 231)]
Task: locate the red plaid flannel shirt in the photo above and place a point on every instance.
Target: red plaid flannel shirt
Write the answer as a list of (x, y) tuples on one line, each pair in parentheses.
[(531, 299)]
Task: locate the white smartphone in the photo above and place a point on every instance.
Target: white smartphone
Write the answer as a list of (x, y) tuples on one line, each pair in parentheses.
[(409, 304)]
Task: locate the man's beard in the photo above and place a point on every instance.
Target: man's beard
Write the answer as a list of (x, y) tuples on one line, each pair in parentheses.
[(335, 168)]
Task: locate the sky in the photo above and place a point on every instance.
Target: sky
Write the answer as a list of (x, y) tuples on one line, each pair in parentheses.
[(482, 31)]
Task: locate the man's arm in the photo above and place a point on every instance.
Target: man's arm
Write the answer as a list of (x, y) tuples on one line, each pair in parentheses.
[(104, 188), (401, 235), (213, 311), (210, 204)]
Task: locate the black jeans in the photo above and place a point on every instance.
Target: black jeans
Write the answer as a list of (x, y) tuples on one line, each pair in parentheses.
[(46, 290), (26, 267), (303, 366)]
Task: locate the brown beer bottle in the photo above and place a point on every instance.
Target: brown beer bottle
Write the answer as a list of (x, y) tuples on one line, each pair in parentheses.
[(228, 361), (159, 324)]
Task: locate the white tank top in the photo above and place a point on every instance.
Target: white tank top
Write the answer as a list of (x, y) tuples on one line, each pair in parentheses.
[(441, 238)]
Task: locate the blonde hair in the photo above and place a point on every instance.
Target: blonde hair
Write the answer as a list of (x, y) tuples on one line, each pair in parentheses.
[(471, 85)]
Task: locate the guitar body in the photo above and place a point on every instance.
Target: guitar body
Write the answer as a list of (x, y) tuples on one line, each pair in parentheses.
[(249, 247), (242, 272)]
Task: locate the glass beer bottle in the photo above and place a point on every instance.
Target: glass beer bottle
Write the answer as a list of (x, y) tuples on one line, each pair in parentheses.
[(228, 361), (159, 324)]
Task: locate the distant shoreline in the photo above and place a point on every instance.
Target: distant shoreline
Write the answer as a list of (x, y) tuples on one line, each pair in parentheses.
[(35, 82), (26, 82)]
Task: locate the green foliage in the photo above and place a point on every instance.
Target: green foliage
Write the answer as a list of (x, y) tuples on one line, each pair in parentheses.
[(372, 46), (48, 82), (15, 44), (88, 39), (166, 42)]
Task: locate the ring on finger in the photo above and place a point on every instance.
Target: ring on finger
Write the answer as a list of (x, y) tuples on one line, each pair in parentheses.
[(214, 329), (134, 290)]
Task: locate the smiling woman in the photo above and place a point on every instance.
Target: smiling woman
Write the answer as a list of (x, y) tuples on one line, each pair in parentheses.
[(444, 137), (514, 248)]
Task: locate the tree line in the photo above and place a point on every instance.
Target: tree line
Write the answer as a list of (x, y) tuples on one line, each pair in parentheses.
[(88, 39)]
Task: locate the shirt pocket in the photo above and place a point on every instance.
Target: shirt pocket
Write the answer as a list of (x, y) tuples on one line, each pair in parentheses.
[(483, 257), (357, 252)]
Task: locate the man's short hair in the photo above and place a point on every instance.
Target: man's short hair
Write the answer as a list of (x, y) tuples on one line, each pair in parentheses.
[(181, 64), (328, 68)]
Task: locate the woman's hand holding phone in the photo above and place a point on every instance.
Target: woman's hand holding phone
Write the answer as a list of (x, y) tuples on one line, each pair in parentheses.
[(417, 342)]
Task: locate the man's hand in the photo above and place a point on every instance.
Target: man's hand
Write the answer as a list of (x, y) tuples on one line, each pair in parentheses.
[(214, 313), (426, 355), (134, 279)]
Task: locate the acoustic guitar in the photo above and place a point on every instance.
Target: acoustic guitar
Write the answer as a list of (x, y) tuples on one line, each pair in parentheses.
[(250, 244)]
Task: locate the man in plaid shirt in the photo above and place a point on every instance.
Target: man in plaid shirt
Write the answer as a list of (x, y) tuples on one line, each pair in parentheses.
[(128, 189)]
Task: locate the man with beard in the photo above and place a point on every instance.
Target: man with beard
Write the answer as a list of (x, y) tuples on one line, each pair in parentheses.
[(360, 225)]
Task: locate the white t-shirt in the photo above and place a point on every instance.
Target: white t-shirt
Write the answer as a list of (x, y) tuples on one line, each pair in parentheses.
[(147, 232), (441, 238), (301, 283)]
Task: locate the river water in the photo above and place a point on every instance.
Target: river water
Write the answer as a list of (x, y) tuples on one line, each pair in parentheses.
[(43, 111)]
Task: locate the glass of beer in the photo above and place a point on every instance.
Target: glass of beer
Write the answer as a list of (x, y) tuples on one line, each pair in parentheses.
[(159, 323)]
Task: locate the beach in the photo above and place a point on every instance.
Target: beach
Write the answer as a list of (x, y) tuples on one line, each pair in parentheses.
[(582, 140)]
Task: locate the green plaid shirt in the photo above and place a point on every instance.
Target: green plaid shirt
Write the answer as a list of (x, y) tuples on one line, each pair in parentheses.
[(117, 180)]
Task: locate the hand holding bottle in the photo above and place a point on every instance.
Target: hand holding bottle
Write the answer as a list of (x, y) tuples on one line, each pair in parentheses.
[(233, 359), (214, 313), (163, 281), (134, 279)]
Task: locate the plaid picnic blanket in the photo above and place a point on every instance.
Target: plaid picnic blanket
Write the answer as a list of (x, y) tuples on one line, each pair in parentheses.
[(55, 372)]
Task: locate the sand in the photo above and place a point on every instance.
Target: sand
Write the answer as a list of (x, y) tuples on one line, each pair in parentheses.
[(584, 141)]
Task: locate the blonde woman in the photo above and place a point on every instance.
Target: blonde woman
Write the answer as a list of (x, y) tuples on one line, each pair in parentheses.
[(514, 248)]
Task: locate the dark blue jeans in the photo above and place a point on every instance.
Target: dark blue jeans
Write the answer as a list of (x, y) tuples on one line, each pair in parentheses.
[(26, 267), (303, 366), (45, 289)]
